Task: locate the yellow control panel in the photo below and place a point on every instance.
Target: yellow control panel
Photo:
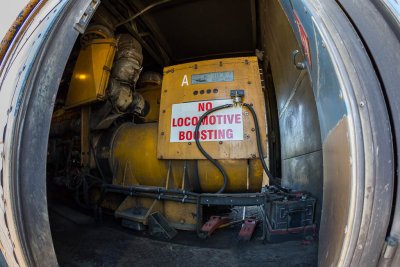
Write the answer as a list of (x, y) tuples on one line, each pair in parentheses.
[(189, 90)]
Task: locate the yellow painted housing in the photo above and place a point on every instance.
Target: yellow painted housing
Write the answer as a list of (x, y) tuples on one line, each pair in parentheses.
[(152, 94), (134, 157), (91, 73), (134, 151), (211, 80), (179, 215)]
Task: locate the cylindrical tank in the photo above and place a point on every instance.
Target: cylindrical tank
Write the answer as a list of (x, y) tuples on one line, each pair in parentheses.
[(133, 159), (149, 86)]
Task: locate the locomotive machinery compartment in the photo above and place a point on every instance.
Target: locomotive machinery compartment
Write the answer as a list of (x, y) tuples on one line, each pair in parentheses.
[(156, 151), (161, 152), (138, 134)]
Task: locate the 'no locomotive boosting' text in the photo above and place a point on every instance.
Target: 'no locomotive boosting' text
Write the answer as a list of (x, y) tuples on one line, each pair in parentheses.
[(225, 124)]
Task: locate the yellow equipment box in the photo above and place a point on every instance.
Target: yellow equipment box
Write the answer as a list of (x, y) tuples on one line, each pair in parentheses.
[(91, 73), (189, 90)]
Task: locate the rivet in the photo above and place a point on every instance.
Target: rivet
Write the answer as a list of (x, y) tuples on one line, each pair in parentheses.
[(162, 133), (323, 45), (253, 129), (220, 142), (362, 104), (246, 113), (189, 143), (165, 91), (253, 156), (249, 82), (247, 136), (163, 111)]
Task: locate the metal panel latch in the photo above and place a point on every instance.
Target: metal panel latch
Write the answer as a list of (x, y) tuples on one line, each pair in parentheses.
[(298, 65)]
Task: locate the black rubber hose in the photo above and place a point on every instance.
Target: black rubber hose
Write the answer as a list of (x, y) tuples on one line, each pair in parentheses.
[(196, 137), (259, 146)]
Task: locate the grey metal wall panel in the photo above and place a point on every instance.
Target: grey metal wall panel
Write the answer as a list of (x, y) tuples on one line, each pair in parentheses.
[(279, 50), (299, 125), (301, 147)]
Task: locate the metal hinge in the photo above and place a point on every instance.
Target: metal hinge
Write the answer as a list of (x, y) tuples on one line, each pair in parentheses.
[(86, 16)]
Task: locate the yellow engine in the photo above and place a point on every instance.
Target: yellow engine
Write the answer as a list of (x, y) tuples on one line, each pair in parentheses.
[(157, 149), (165, 154)]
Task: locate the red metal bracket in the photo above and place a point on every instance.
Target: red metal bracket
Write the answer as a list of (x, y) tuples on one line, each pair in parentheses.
[(247, 229), (213, 223)]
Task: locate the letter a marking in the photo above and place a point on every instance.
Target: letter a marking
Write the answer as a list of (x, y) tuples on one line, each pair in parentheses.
[(185, 80)]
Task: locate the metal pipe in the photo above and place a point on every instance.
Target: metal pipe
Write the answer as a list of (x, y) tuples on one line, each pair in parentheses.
[(152, 53), (149, 195), (181, 192), (190, 197), (141, 12)]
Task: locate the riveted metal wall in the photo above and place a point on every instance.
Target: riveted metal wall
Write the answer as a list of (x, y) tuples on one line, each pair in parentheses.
[(357, 151), (300, 136)]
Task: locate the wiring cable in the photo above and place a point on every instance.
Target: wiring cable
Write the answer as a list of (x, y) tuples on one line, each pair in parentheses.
[(196, 137), (272, 179), (260, 152)]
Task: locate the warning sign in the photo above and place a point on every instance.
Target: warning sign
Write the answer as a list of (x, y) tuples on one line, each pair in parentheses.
[(224, 124)]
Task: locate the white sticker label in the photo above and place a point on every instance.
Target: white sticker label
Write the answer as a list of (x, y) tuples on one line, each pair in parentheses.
[(224, 124)]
